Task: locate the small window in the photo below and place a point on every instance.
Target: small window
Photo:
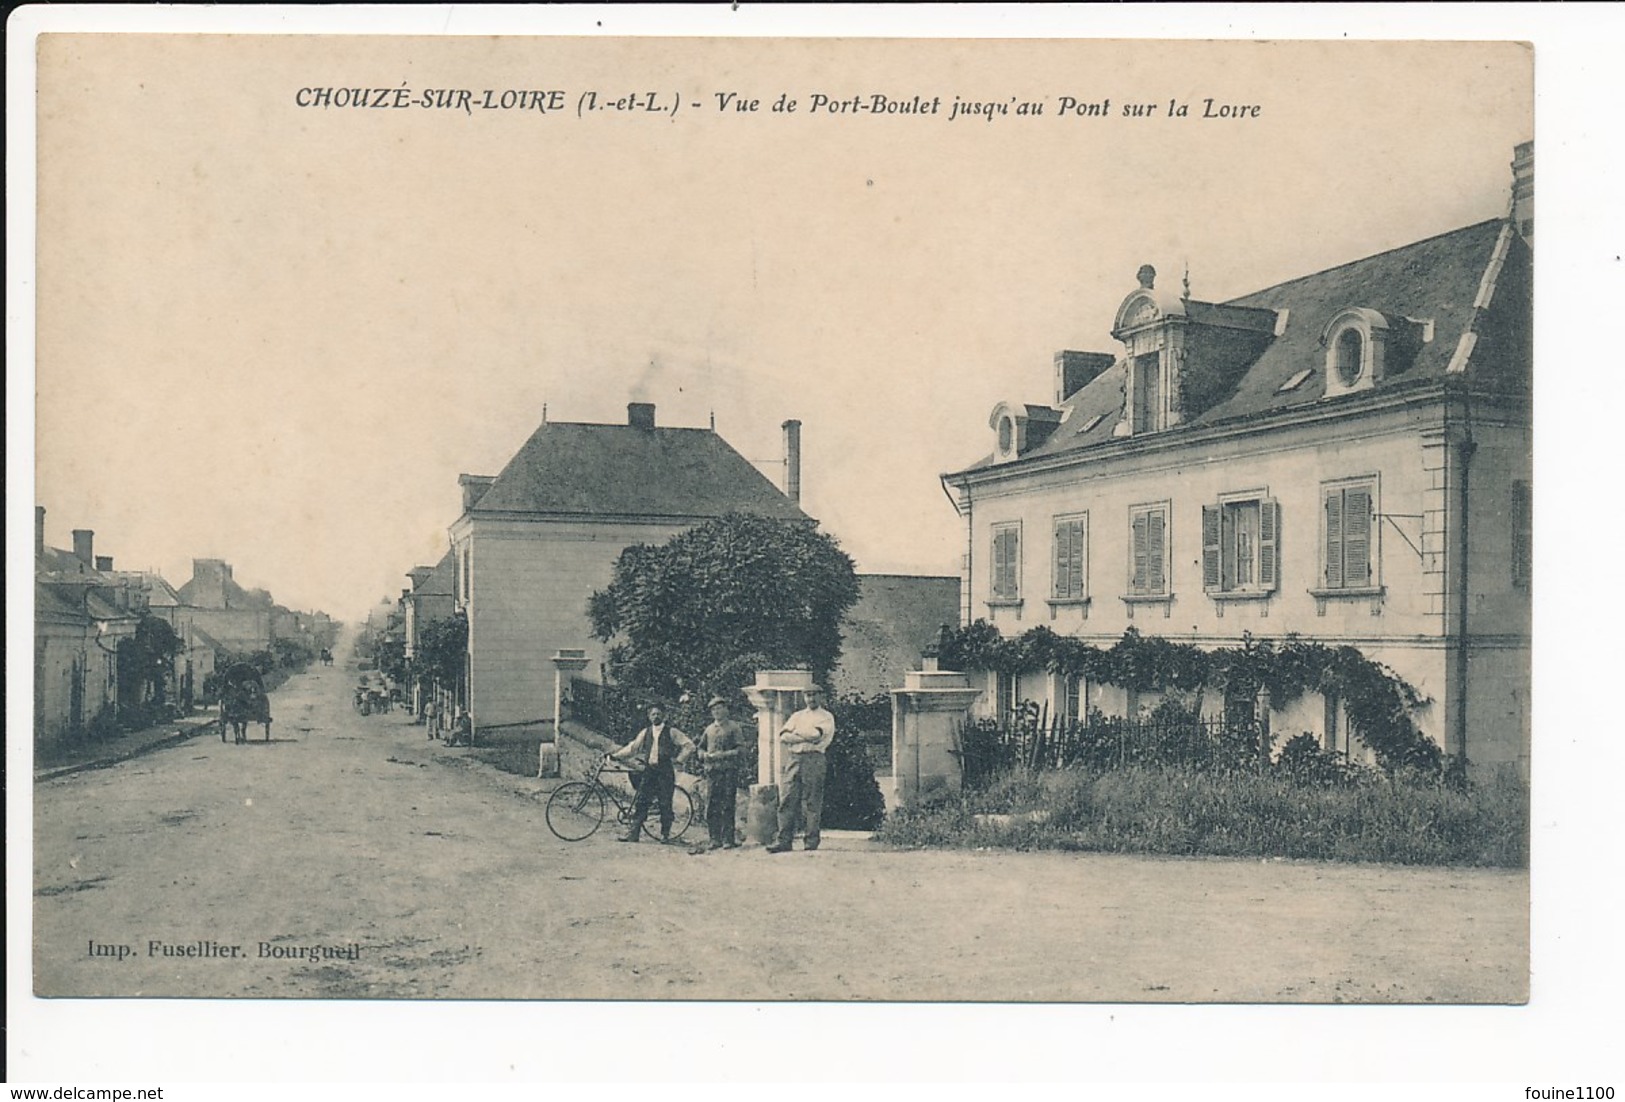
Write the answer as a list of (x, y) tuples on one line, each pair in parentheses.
[(1148, 550), (1007, 435), (1349, 512), (1522, 535), (1350, 357), (1071, 564), (1006, 562), (1241, 546)]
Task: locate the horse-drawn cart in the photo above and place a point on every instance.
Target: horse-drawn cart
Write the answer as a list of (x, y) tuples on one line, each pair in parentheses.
[(243, 701)]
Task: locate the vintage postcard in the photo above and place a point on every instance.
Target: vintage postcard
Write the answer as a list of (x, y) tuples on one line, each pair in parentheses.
[(1131, 439)]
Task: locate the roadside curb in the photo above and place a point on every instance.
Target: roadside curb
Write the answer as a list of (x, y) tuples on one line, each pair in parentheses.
[(183, 734)]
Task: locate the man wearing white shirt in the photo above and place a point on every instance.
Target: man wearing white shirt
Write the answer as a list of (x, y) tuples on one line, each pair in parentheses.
[(803, 742)]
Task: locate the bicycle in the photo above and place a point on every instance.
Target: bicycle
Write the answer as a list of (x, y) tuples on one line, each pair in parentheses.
[(578, 808)]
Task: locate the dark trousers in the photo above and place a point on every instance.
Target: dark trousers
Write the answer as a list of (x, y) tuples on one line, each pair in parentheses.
[(801, 795), (721, 804), (655, 785)]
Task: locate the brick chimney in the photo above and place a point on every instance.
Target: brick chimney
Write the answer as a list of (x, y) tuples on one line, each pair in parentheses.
[(104, 563), (83, 541), (1523, 190), (792, 461), (640, 415), (39, 531)]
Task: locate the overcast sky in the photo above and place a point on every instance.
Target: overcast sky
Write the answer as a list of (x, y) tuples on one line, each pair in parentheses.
[(277, 334)]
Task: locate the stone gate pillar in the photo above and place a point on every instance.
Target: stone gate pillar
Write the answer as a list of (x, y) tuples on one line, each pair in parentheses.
[(566, 663), (928, 718), (775, 695)]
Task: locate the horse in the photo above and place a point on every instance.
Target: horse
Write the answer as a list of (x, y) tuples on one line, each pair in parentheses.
[(240, 706)]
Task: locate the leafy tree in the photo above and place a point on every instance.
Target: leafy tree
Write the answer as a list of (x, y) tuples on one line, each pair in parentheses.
[(441, 650), (147, 661), (705, 610)]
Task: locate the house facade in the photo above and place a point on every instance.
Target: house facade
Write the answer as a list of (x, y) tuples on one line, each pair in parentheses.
[(81, 616), (1345, 457), (535, 541), (240, 619)]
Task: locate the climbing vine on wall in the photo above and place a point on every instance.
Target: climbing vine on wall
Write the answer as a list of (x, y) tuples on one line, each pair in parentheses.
[(1378, 702)]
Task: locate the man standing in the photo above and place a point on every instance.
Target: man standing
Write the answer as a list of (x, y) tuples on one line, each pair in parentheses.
[(721, 747), (803, 741), (657, 749)]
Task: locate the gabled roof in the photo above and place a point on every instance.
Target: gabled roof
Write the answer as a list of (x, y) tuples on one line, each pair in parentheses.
[(439, 581), (201, 636), (74, 603), (160, 594), (568, 469), (1440, 280), (59, 565)]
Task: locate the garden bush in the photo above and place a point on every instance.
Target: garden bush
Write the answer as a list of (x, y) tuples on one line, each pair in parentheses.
[(1184, 811)]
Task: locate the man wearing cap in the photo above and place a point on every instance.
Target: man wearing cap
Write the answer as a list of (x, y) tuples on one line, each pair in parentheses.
[(802, 744), (657, 748), (721, 750)]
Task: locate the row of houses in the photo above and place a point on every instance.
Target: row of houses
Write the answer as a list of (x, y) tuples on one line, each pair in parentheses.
[(86, 611), (1344, 457)]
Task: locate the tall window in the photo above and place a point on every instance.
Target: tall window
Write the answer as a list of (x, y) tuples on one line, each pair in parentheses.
[(1350, 356), (1071, 566), (1148, 550), (1241, 546), (1347, 554), (1006, 562), (1147, 392), (1523, 561)]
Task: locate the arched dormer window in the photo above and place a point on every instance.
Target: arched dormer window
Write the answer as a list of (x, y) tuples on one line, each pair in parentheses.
[(1355, 341)]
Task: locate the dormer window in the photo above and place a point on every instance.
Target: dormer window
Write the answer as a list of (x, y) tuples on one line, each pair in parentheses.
[(1019, 428), (1355, 343)]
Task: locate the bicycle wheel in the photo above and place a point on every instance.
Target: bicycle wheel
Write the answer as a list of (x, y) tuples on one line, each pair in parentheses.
[(575, 810), (682, 813)]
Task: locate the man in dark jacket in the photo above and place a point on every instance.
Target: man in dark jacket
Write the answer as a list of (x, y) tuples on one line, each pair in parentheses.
[(657, 749)]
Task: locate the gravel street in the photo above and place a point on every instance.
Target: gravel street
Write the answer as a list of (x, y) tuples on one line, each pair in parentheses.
[(352, 858)]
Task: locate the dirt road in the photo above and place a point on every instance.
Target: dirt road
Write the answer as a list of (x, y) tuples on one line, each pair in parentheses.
[(351, 858)]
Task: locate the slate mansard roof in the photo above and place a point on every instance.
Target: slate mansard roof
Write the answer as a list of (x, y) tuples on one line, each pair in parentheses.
[(586, 470), (1473, 281)]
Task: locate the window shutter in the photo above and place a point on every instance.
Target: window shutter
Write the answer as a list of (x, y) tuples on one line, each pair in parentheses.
[(1080, 544), (1140, 578), (1211, 554), (1269, 544), (1334, 539), (1058, 565), (999, 552), (1156, 551), (1357, 536)]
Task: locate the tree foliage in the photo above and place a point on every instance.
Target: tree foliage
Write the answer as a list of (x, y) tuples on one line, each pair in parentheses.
[(442, 649), (705, 610), (146, 662)]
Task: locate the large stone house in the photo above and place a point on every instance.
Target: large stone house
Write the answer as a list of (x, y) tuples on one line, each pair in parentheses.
[(535, 541), (1345, 456), (239, 618)]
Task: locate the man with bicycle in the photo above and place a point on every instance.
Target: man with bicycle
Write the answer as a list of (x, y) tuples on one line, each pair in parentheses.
[(656, 751)]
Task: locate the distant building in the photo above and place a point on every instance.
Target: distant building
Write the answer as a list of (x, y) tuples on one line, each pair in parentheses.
[(534, 541), (1345, 456), (238, 618)]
